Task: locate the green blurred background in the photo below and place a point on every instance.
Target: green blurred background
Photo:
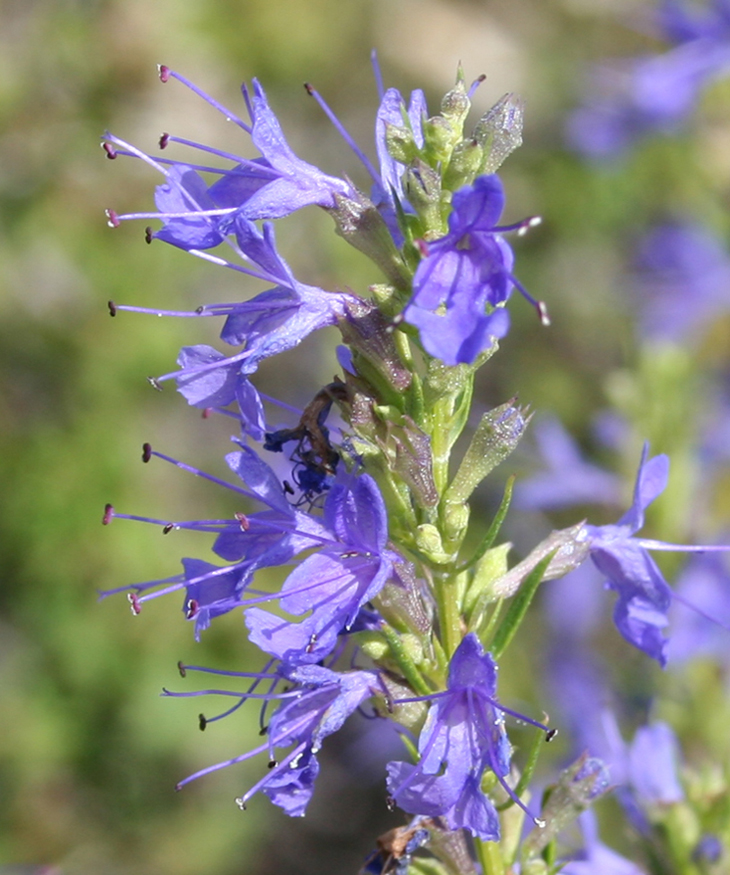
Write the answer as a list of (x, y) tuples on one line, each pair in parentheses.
[(89, 752)]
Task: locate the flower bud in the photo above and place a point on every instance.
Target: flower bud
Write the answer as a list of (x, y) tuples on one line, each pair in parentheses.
[(499, 131)]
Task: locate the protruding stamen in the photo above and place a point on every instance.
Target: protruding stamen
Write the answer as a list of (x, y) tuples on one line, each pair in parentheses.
[(181, 669), (113, 219), (108, 514), (164, 140), (146, 452), (191, 609), (527, 224), (112, 308), (111, 152), (154, 382), (390, 803), (475, 84), (168, 528), (202, 722), (163, 72), (272, 764), (343, 132), (550, 734), (243, 521), (148, 234), (134, 603), (241, 804)]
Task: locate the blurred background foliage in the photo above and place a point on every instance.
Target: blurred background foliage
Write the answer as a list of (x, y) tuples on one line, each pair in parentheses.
[(89, 752)]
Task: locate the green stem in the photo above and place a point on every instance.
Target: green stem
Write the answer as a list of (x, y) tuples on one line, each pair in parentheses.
[(449, 612), (490, 857), (404, 661)]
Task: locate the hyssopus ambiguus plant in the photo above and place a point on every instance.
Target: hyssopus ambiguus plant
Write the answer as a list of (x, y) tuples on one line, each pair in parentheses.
[(395, 596)]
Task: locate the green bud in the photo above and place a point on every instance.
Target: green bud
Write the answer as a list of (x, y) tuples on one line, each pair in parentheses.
[(455, 522), (499, 131), (359, 222), (373, 645), (422, 186), (496, 437), (455, 104), (466, 162), (439, 140), (428, 541), (577, 787), (491, 566), (400, 143)]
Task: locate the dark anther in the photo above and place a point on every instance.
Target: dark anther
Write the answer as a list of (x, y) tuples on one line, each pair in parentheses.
[(108, 514), (312, 641), (191, 609), (308, 88), (288, 488), (168, 528), (181, 669), (164, 140), (242, 521), (390, 803), (202, 722), (200, 309), (164, 73), (112, 308), (148, 234), (134, 603), (155, 385), (111, 152), (206, 412), (263, 730), (273, 764), (550, 734), (146, 452)]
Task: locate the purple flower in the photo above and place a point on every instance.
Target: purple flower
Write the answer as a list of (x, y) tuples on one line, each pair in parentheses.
[(387, 193), (644, 595), (569, 479), (196, 216), (463, 282), (654, 93), (316, 703), (333, 584), (463, 735), (270, 323), (652, 765), (597, 858), (684, 273), (262, 539), (705, 585)]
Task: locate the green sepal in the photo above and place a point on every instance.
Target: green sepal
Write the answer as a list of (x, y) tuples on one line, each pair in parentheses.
[(493, 564), (496, 437), (499, 131), (562, 803), (518, 608)]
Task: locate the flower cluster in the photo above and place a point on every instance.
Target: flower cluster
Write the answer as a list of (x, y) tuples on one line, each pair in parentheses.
[(361, 500), (654, 93)]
